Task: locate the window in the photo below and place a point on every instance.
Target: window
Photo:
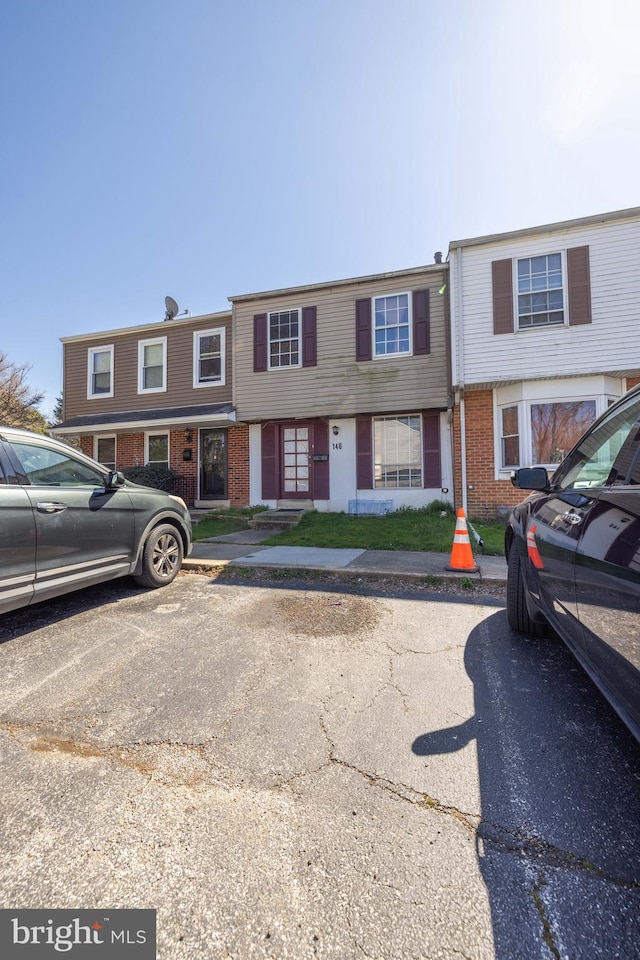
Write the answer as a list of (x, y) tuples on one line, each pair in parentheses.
[(397, 451), (105, 451), (556, 427), (608, 455), (50, 468), (152, 372), (510, 439), (541, 432), (540, 295), (284, 339), (100, 372), (157, 449), (208, 358), (392, 325)]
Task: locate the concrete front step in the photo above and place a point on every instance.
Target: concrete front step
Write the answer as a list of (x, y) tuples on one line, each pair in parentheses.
[(277, 519)]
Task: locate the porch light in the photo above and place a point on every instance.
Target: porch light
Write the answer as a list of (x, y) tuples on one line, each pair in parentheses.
[(188, 436)]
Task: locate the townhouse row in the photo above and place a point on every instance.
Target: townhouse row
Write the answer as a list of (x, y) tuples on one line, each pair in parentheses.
[(378, 392)]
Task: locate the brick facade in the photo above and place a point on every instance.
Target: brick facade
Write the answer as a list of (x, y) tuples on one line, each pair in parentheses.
[(486, 496), (130, 453)]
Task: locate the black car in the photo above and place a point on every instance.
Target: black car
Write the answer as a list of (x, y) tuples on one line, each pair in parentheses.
[(68, 522), (573, 551)]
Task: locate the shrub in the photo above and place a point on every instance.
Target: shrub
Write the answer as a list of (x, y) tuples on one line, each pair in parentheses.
[(162, 478)]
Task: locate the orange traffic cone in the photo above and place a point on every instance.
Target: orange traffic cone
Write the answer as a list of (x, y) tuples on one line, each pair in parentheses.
[(461, 555)]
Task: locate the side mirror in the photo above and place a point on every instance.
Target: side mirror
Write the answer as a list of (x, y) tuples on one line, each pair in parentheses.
[(531, 478), (114, 480)]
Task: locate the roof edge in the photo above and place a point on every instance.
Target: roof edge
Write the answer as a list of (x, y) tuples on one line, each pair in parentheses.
[(627, 214), (326, 284)]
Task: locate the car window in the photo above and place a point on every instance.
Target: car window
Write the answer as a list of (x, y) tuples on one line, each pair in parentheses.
[(607, 455), (45, 467)]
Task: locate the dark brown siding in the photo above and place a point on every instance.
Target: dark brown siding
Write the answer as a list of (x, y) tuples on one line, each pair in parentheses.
[(180, 390)]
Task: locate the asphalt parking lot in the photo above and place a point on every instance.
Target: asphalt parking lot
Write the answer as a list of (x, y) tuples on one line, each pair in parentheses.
[(301, 771)]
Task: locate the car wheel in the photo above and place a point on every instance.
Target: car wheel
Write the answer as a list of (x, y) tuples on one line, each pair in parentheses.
[(517, 611), (161, 557)]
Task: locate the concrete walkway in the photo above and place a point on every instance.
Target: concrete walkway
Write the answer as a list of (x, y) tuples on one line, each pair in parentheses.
[(250, 549)]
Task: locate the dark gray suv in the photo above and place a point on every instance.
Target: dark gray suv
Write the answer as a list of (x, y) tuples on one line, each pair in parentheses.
[(68, 522)]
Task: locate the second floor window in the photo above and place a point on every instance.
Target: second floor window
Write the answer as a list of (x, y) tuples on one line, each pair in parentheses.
[(392, 325), (100, 373), (152, 365), (540, 295), (284, 339), (208, 358)]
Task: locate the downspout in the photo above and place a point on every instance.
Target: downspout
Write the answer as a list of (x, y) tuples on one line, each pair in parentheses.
[(459, 340)]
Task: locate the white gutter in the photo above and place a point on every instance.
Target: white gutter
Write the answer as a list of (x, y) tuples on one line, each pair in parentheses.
[(459, 347)]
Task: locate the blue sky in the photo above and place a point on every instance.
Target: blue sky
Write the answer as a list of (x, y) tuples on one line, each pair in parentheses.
[(218, 147)]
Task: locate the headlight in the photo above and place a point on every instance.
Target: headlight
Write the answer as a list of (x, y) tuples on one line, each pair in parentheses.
[(179, 500)]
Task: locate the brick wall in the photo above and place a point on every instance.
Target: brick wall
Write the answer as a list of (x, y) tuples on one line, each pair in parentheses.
[(130, 453)]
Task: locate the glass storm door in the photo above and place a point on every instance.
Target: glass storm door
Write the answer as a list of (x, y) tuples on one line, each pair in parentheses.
[(213, 464), (295, 463)]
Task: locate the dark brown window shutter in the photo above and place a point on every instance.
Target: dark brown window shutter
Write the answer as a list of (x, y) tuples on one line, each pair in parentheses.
[(270, 462), (502, 276), (579, 285), (364, 453), (421, 324), (363, 329), (259, 342), (321, 467), (309, 337), (432, 476)]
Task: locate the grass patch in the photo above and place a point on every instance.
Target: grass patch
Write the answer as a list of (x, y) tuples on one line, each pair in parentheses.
[(219, 523), (430, 528)]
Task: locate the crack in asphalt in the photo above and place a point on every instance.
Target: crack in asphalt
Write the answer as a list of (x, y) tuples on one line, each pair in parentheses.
[(38, 738)]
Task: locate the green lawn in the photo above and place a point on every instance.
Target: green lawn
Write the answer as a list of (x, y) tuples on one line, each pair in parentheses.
[(431, 528)]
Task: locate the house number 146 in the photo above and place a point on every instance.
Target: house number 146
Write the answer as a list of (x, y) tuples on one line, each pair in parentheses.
[(337, 446)]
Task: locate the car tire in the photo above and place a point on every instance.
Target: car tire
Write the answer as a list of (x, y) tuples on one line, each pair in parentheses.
[(517, 611), (161, 557)]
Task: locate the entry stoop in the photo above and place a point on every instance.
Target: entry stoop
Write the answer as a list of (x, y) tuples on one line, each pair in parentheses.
[(283, 517)]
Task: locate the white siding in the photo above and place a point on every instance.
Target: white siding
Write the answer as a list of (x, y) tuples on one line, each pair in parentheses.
[(610, 344)]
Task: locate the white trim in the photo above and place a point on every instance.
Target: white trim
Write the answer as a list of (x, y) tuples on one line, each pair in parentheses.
[(289, 366), (147, 343), (91, 352), (197, 335), (565, 292), (600, 389), (392, 356), (396, 417), (157, 433)]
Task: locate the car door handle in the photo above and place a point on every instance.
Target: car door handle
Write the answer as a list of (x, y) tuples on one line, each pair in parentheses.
[(49, 506), (572, 518)]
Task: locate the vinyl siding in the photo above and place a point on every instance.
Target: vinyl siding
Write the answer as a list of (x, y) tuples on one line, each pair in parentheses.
[(180, 390), (610, 344), (339, 385)]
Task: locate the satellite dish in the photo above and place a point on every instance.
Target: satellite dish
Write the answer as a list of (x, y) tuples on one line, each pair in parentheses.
[(172, 308)]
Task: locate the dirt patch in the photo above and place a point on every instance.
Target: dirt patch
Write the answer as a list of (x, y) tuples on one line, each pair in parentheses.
[(328, 615)]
